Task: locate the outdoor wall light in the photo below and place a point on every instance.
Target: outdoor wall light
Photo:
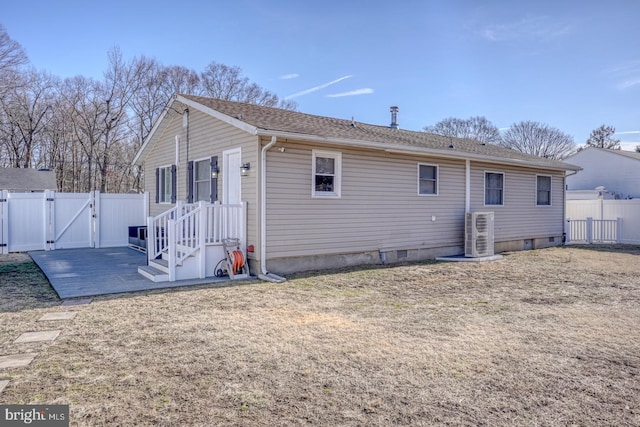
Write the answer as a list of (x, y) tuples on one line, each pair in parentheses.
[(244, 169), (214, 172)]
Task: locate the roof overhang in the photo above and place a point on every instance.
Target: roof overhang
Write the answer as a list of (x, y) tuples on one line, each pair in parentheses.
[(420, 151)]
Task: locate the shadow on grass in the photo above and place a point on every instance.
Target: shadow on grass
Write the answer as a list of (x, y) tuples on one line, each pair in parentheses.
[(613, 247), (24, 286)]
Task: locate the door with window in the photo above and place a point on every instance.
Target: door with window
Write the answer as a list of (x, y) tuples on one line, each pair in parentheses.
[(231, 187)]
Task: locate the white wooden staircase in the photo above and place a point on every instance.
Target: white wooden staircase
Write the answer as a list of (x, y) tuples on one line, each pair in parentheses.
[(186, 242)]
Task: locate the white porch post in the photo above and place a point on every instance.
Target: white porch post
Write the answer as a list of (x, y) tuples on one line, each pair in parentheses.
[(589, 230), (201, 230), (243, 226), (151, 239), (171, 256), (618, 229), (4, 221)]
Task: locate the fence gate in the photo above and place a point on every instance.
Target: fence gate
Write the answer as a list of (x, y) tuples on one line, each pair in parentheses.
[(51, 220), (71, 220)]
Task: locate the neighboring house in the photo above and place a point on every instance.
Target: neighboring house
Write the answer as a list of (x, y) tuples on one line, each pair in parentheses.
[(617, 171), (23, 180), (323, 192)]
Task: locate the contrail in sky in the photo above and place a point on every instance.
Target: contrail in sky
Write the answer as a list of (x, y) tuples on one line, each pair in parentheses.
[(317, 88)]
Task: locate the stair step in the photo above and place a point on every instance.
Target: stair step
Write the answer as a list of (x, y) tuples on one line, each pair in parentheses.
[(160, 264), (153, 273)]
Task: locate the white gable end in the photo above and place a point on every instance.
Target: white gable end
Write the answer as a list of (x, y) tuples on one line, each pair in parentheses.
[(616, 172)]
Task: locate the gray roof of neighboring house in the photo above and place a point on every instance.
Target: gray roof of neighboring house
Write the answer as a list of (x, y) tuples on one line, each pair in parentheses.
[(279, 122), (25, 179), (630, 154)]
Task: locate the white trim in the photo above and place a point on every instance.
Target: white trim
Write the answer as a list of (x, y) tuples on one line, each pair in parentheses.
[(437, 179), (484, 185), (225, 174), (467, 186), (337, 182), (160, 202), (177, 151), (550, 191), (195, 182)]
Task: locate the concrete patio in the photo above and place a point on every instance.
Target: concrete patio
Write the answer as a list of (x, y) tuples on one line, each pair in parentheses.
[(83, 272)]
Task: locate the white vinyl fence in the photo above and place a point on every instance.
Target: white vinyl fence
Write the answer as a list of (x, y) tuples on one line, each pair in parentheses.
[(51, 220), (590, 221)]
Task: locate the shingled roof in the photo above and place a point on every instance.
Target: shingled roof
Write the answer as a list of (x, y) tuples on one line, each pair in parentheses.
[(279, 122), (25, 179)]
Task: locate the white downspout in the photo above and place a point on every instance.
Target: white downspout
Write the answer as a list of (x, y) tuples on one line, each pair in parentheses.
[(264, 274)]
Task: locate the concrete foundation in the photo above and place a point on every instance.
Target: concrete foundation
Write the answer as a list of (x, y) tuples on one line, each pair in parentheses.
[(527, 244), (283, 266)]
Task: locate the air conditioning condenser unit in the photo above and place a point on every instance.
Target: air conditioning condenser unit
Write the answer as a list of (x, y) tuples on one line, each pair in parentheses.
[(478, 234)]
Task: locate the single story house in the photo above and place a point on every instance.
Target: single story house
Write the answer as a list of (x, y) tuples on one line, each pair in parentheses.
[(613, 172), (323, 192), (27, 180)]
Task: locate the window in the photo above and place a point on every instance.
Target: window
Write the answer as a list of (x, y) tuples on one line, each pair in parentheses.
[(202, 185), (202, 180), (494, 188), (427, 180), (166, 184), (327, 169), (543, 184)]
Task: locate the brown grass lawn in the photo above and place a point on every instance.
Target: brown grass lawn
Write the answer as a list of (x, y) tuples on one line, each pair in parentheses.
[(547, 337)]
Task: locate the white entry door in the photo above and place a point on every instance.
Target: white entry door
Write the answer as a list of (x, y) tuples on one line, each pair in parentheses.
[(231, 184)]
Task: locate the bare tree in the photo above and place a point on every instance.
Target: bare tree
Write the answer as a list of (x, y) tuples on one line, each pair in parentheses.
[(89, 130), (12, 57), (156, 86), (538, 139), (122, 81), (477, 128), (225, 82), (602, 137), (27, 108), (180, 79), (86, 101)]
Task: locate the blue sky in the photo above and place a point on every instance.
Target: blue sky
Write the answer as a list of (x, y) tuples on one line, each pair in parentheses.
[(574, 65)]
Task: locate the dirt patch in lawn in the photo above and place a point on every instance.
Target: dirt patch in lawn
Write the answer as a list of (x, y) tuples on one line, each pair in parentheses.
[(546, 337)]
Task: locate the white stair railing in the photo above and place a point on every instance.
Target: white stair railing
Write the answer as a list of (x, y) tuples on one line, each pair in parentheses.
[(158, 226), (183, 230)]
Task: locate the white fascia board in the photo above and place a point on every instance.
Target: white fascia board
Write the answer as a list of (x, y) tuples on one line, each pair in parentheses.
[(218, 115), (458, 155)]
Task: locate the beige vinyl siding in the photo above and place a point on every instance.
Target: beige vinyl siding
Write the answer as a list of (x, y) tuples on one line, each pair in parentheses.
[(520, 217), (207, 137), (163, 153), (379, 207)]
